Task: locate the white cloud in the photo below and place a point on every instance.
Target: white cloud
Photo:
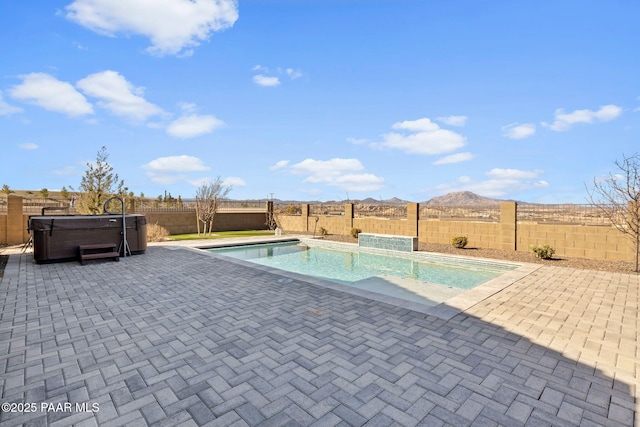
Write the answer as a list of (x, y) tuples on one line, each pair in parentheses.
[(171, 169), (46, 91), (6, 109), (118, 96), (263, 80), (340, 173), (29, 146), (426, 137), (234, 181), (181, 163), (188, 107), (454, 158), (266, 81), (173, 26), (501, 182), (294, 74), (564, 121), (518, 131), (358, 141), (193, 125), (279, 165), (513, 173), (454, 120)]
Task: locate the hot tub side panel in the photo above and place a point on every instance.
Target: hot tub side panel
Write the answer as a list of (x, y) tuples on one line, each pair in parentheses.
[(56, 238)]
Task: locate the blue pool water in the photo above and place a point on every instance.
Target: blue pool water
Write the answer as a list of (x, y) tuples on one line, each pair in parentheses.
[(351, 266)]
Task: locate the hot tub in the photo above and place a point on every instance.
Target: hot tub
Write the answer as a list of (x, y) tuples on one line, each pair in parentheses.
[(57, 237)]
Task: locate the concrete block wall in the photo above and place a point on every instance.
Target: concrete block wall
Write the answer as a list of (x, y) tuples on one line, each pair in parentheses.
[(3, 229), (293, 223), (479, 234), (15, 225), (591, 242), (185, 222), (398, 227), (333, 224)]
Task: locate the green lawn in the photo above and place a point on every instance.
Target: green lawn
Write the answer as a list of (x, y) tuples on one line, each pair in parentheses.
[(221, 235)]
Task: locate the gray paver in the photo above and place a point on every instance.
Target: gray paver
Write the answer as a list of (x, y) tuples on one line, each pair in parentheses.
[(175, 337)]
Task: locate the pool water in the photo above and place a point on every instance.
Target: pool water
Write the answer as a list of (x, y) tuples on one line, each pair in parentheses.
[(354, 267)]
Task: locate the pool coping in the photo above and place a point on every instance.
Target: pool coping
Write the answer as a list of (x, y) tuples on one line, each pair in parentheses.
[(444, 310)]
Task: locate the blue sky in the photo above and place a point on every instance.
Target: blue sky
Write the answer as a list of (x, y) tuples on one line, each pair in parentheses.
[(321, 99)]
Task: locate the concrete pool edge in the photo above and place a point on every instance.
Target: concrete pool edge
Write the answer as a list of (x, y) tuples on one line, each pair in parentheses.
[(443, 310)]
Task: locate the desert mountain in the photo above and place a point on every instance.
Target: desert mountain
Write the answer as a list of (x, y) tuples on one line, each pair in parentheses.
[(463, 198)]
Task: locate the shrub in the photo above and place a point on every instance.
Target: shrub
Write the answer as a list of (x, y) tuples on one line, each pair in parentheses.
[(544, 252), (293, 210), (354, 232), (459, 241), (323, 231), (155, 233)]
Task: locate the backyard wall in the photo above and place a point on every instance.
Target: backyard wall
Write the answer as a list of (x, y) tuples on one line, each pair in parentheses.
[(583, 241), (603, 242), (591, 242), (14, 223)]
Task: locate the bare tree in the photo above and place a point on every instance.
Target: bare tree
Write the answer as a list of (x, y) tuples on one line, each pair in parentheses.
[(617, 197), (208, 196)]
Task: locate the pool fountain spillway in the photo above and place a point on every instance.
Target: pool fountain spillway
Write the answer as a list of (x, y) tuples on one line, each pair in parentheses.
[(388, 242)]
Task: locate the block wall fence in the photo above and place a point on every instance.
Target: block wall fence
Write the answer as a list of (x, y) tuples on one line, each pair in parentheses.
[(14, 223), (602, 242)]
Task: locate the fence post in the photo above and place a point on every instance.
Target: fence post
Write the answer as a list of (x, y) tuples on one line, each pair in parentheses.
[(348, 215), (413, 212), (508, 226), (305, 215), (15, 223)]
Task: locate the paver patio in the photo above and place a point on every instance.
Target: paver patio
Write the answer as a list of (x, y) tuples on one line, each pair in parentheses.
[(175, 337)]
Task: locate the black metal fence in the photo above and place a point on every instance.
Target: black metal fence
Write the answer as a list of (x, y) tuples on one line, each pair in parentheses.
[(585, 214), (379, 211), (488, 213)]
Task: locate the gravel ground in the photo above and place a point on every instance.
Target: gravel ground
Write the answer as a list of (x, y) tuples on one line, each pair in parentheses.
[(588, 264)]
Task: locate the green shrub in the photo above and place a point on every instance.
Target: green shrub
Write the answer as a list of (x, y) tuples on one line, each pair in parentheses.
[(544, 252), (323, 231), (354, 232), (459, 242)]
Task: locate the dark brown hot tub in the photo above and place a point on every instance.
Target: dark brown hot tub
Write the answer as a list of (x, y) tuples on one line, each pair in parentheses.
[(57, 237)]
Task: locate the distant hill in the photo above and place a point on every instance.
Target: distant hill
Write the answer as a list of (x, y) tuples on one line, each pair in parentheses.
[(463, 198), (455, 198)]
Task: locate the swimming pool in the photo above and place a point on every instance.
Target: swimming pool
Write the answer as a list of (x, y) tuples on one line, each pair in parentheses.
[(418, 277)]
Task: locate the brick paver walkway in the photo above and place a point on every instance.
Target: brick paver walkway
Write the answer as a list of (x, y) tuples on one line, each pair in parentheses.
[(177, 338)]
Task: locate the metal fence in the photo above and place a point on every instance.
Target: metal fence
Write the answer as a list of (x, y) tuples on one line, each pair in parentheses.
[(326, 209), (488, 213), (287, 209), (567, 213), (36, 206), (189, 205), (380, 211)]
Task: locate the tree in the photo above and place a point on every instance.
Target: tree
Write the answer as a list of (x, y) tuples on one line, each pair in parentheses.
[(98, 184), (64, 193), (208, 196), (44, 193), (617, 198), (6, 190)]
